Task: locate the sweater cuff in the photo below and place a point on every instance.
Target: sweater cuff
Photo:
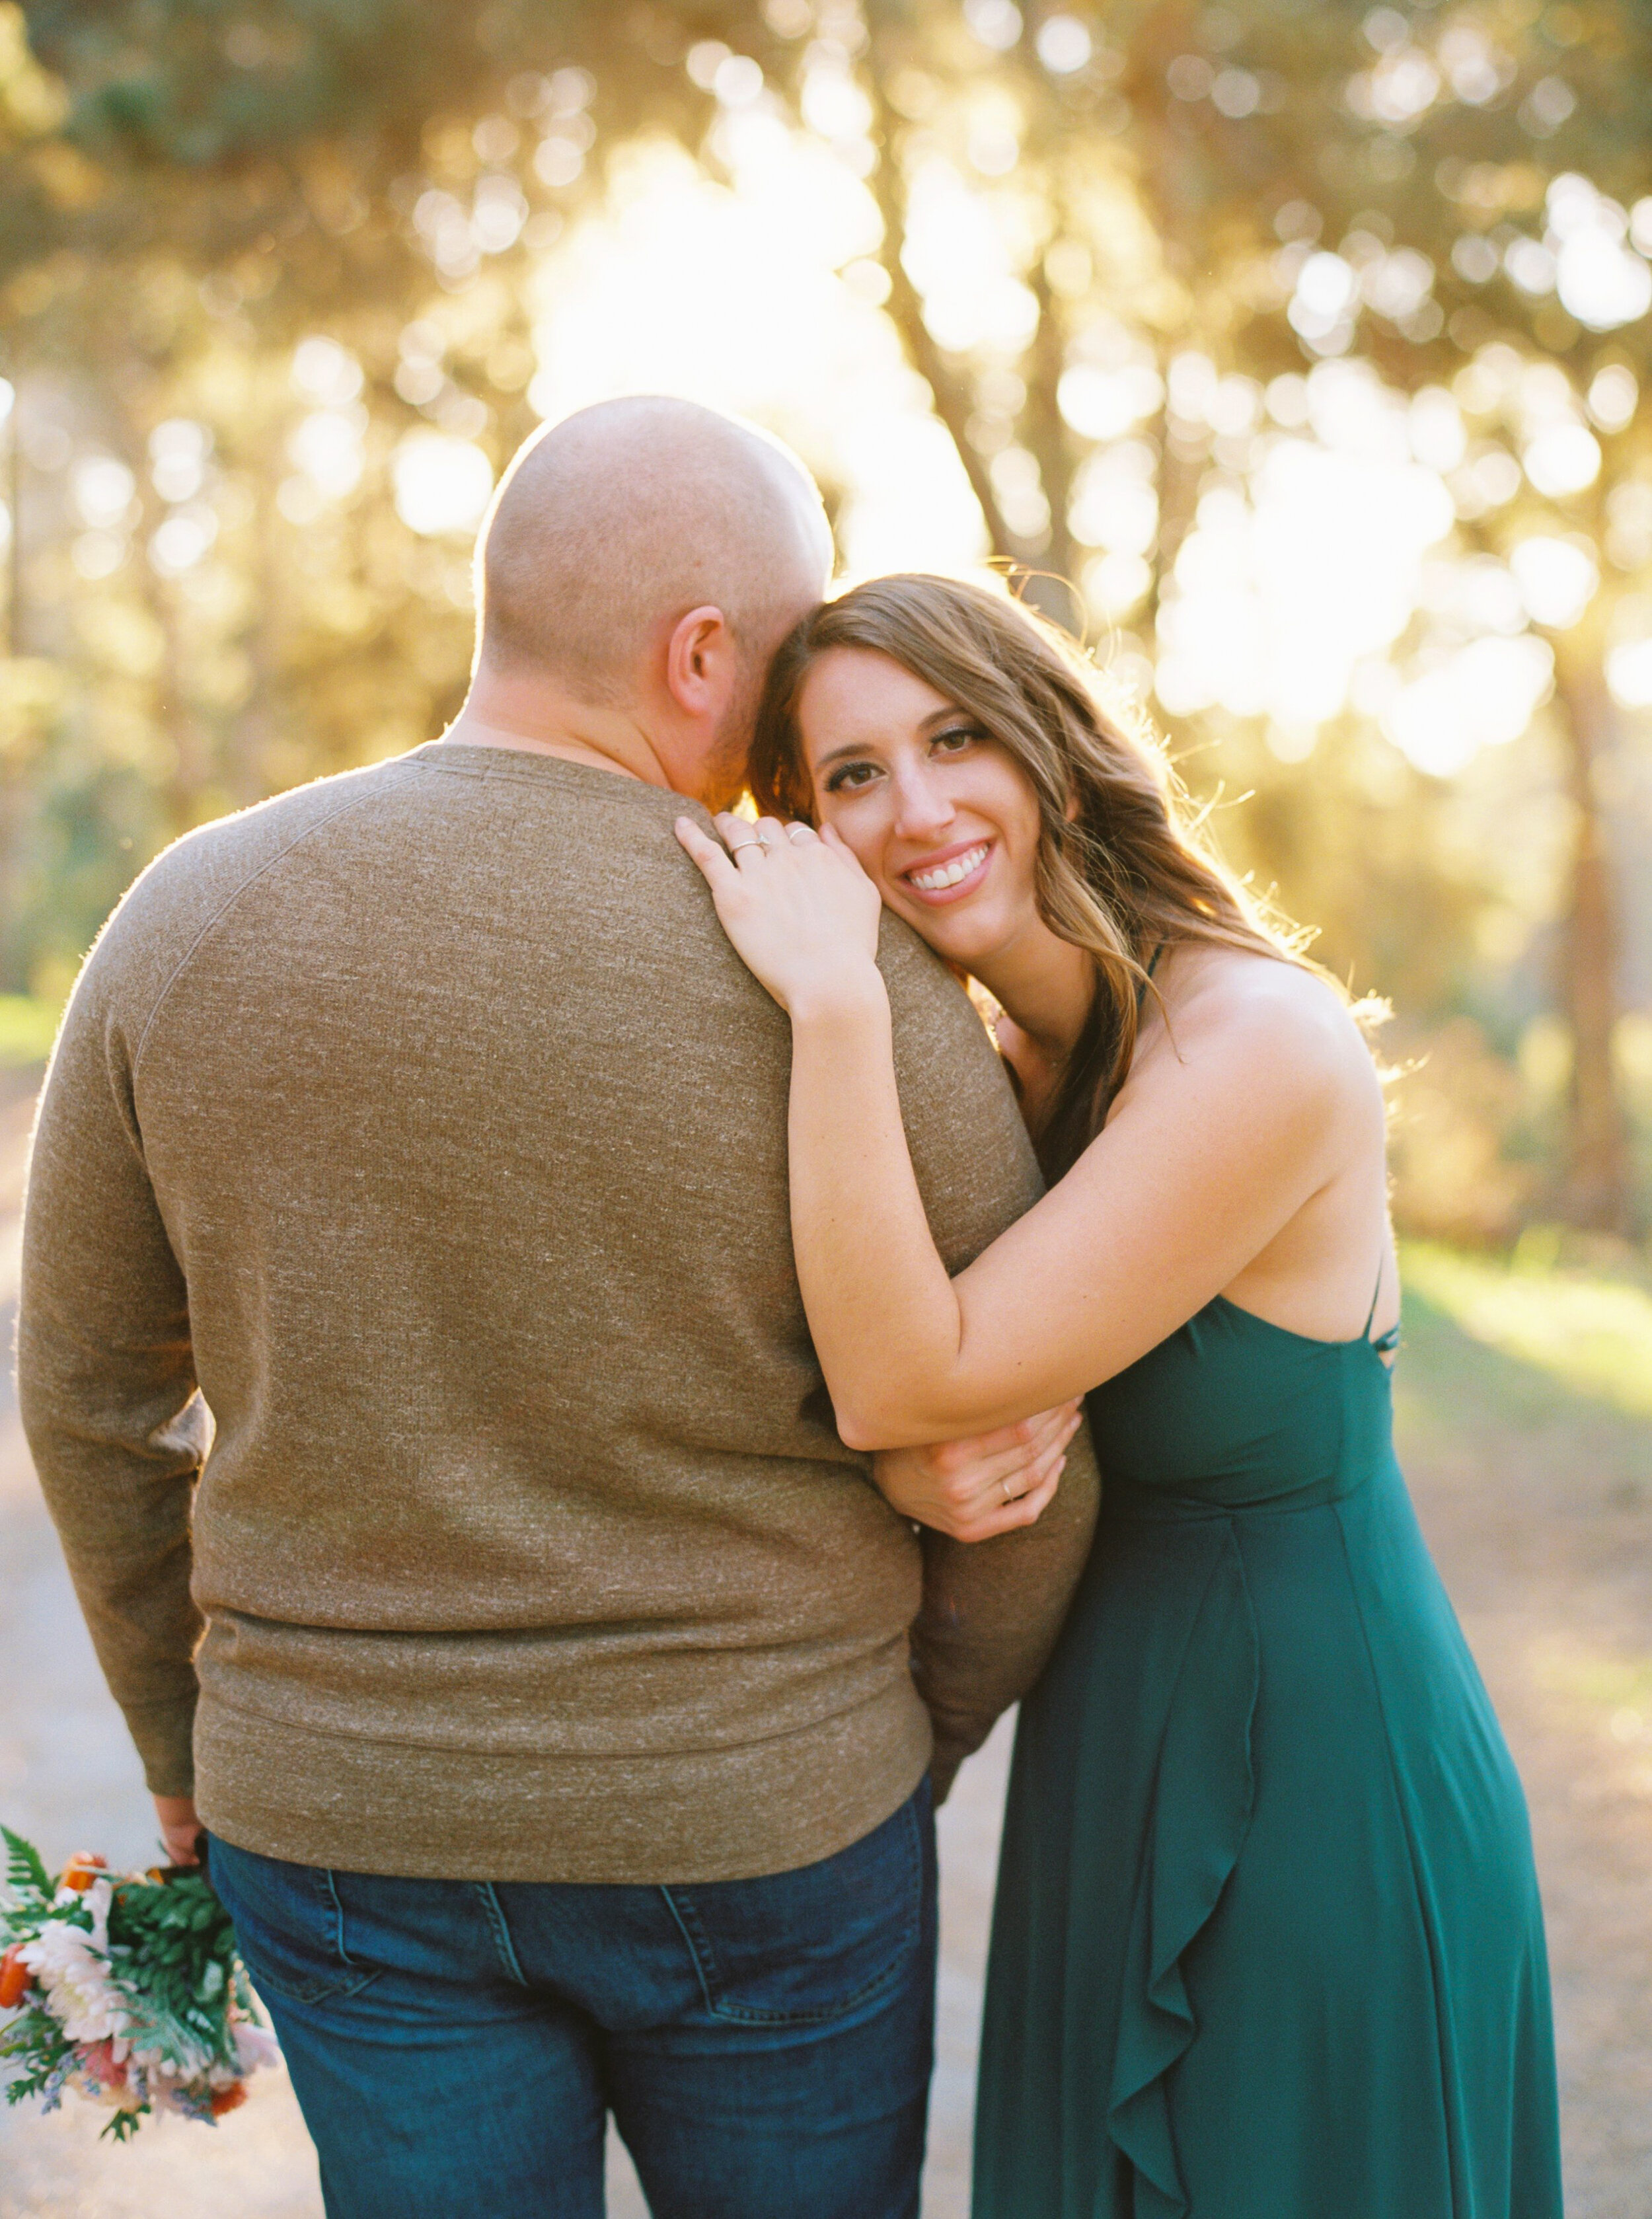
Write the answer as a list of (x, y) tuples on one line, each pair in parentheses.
[(955, 1738), (164, 1736)]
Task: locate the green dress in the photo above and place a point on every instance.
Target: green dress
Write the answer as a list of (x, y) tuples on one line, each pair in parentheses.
[(1268, 1944)]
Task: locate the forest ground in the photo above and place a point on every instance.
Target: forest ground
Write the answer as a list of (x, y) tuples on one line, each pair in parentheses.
[(1533, 1479)]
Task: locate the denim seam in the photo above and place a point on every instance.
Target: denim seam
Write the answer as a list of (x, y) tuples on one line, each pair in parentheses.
[(747, 2015), (346, 1979), (335, 1912), (498, 1926), (698, 1948)]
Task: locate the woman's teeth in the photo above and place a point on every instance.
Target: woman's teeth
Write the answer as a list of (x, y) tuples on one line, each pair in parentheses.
[(949, 874)]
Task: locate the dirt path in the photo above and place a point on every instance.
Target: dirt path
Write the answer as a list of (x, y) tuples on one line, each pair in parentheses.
[(1539, 1507)]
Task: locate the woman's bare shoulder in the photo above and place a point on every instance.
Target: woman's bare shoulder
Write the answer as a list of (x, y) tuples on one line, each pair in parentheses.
[(1270, 1024)]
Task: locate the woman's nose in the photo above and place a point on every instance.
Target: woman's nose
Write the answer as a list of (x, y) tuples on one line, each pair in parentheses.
[(923, 808)]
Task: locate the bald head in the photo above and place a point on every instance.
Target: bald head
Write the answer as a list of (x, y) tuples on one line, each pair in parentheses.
[(613, 523)]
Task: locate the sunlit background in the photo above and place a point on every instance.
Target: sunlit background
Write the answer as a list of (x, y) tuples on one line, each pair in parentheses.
[(1297, 351)]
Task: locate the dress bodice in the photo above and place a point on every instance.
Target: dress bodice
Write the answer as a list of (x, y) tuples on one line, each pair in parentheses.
[(1233, 1413)]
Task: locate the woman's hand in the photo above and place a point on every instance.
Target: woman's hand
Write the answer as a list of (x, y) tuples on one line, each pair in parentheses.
[(799, 908), (973, 1489)]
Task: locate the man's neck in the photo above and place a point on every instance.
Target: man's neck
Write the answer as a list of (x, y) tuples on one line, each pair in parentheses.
[(542, 720)]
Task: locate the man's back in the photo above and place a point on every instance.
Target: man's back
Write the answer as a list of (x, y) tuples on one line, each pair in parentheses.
[(467, 1131)]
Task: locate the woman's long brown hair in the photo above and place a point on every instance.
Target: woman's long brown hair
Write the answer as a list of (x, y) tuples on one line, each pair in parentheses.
[(1124, 868)]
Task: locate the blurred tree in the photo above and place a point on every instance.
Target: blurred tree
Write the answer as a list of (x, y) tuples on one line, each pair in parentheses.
[(1443, 194), (188, 196), (265, 283), (1426, 186)]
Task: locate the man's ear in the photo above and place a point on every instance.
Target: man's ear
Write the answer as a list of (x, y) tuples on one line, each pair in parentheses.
[(701, 665)]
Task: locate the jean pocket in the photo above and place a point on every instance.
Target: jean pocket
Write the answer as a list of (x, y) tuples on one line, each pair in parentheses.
[(793, 1948), (288, 1925)]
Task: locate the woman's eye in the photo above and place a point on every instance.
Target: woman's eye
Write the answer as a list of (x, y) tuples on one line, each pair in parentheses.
[(849, 777), (955, 741)]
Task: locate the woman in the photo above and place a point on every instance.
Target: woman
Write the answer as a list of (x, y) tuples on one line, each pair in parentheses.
[(1268, 1942)]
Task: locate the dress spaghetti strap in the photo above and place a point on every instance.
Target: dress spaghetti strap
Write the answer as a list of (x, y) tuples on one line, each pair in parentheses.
[(1385, 1343)]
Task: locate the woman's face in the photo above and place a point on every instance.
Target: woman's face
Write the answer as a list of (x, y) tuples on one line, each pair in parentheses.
[(940, 817)]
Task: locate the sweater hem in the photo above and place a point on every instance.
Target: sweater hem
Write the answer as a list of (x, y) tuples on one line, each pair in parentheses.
[(678, 1818)]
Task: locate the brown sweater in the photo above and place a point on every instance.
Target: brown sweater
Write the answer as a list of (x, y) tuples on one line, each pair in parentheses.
[(413, 1358)]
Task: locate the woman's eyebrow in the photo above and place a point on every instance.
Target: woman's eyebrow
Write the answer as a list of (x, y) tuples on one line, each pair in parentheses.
[(836, 754), (856, 747)]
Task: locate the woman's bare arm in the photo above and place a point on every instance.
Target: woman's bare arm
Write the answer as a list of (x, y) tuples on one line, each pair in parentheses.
[(1212, 1149), (1196, 1172)]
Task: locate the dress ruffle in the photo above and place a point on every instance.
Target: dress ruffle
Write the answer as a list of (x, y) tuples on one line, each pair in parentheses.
[(1203, 1793)]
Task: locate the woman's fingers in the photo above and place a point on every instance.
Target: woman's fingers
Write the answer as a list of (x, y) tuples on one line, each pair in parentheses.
[(1011, 1517), (713, 861), (1006, 1446), (1031, 1488), (744, 840), (1028, 1508), (991, 1479), (999, 1466)]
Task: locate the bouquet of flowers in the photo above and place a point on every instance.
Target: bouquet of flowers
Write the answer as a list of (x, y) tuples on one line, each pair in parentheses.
[(127, 1989)]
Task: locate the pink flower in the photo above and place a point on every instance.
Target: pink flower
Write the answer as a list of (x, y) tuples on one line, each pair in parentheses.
[(100, 2067), (255, 2047)]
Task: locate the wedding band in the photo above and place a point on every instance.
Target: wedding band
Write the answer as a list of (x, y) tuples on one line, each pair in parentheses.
[(1010, 1494), (792, 831), (740, 847)]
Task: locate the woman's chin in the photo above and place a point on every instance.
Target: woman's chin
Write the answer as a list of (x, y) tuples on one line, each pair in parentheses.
[(955, 936)]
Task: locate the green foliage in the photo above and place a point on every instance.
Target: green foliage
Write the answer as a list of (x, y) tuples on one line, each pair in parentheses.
[(180, 1935), (28, 1025), (35, 2036), (1591, 1333), (190, 82), (26, 1876)]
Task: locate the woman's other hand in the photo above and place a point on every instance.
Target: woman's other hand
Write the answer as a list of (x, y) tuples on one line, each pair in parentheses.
[(799, 908), (973, 1489)]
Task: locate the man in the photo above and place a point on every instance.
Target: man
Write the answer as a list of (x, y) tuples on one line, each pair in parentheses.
[(535, 1656)]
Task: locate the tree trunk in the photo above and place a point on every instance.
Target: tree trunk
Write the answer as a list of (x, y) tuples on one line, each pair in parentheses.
[(950, 392), (1595, 1189), (17, 641), (1054, 586)]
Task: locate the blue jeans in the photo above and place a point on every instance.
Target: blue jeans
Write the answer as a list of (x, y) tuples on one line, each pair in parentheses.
[(455, 2045)]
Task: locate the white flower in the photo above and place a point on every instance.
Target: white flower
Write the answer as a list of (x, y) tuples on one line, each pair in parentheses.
[(70, 1968), (96, 1900)]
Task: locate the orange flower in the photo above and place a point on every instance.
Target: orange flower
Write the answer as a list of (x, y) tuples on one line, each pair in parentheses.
[(228, 2099), (16, 1979), (81, 1870)]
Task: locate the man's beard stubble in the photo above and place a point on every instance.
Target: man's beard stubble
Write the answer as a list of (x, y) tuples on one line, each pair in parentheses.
[(725, 768)]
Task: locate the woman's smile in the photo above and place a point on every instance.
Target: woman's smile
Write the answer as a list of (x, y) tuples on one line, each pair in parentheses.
[(951, 874)]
